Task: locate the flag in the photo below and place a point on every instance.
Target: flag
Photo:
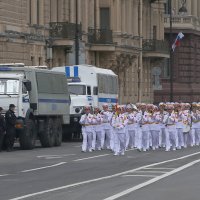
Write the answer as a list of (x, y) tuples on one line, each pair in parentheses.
[(177, 41)]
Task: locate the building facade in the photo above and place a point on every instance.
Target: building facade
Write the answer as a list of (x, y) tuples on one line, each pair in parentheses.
[(186, 58), (126, 36)]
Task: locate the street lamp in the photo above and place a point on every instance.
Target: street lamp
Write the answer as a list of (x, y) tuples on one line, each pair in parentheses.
[(77, 37), (171, 52)]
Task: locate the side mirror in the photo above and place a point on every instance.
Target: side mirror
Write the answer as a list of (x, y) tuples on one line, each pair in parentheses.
[(27, 84)]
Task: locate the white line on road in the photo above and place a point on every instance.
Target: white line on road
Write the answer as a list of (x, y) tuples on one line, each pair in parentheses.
[(61, 155), (145, 171), (50, 166), (130, 190), (1, 175), (91, 157), (160, 168), (101, 178), (143, 175)]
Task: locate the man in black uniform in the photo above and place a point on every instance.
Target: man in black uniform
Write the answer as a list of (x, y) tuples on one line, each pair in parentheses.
[(10, 127), (2, 128)]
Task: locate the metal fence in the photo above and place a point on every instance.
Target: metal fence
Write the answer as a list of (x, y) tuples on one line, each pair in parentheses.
[(100, 36)]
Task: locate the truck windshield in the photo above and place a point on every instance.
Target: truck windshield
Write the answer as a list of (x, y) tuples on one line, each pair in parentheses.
[(9, 86), (77, 89)]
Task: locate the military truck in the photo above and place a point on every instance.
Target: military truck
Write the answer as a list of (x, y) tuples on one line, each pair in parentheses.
[(42, 103)]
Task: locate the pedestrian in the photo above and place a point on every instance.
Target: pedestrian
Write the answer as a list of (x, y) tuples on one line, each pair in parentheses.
[(2, 128), (87, 129), (10, 119)]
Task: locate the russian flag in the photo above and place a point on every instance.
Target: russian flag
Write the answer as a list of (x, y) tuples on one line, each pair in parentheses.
[(177, 41)]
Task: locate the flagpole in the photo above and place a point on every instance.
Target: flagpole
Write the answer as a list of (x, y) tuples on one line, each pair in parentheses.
[(171, 53)]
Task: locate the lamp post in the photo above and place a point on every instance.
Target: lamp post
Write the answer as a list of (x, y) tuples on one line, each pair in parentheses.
[(77, 37), (171, 52)]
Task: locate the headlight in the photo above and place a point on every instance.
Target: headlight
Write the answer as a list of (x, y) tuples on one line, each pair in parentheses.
[(77, 110)]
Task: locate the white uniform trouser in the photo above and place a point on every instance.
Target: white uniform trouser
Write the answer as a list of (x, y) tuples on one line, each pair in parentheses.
[(171, 137), (120, 141), (94, 138), (145, 137), (87, 139), (155, 138), (130, 136), (98, 130), (107, 136), (162, 136), (180, 137), (196, 133), (138, 139), (189, 138)]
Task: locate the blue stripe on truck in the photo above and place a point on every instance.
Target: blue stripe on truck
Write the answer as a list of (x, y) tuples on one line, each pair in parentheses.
[(53, 101), (67, 71), (75, 71), (107, 100)]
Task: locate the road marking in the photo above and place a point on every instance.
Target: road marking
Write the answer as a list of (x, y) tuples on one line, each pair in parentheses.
[(51, 156), (91, 157), (101, 178), (1, 175), (144, 175), (50, 166), (159, 168), (130, 190), (150, 171)]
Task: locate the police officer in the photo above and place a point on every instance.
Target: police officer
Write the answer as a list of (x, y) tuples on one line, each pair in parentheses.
[(10, 119), (2, 128)]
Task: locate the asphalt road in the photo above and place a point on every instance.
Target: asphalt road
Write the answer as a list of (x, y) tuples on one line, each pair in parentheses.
[(64, 173)]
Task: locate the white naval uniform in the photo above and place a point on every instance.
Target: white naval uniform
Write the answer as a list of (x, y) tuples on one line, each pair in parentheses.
[(171, 132), (196, 126), (87, 131), (145, 131), (97, 121), (119, 123), (188, 137), (179, 127), (155, 129), (107, 134)]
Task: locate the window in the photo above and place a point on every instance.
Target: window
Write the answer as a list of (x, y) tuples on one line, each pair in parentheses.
[(9, 86), (88, 90), (95, 90), (77, 89), (105, 18)]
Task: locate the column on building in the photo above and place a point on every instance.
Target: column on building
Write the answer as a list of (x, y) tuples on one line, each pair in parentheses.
[(123, 16), (41, 12), (97, 13), (33, 12), (129, 17), (189, 6), (60, 10), (135, 18), (194, 8), (118, 16), (54, 9), (72, 11), (85, 16), (198, 8)]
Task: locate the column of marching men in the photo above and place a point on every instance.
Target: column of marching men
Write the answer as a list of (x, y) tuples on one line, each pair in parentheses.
[(142, 126)]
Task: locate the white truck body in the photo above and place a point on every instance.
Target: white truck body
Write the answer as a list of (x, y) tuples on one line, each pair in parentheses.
[(89, 85), (47, 98)]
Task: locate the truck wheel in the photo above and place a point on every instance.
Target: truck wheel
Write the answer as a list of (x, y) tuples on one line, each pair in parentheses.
[(58, 132), (27, 136), (47, 136)]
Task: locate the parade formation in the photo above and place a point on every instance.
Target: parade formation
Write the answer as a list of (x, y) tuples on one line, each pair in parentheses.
[(171, 126)]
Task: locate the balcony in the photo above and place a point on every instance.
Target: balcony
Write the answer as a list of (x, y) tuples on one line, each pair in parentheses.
[(155, 48), (182, 22), (100, 39), (63, 32)]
